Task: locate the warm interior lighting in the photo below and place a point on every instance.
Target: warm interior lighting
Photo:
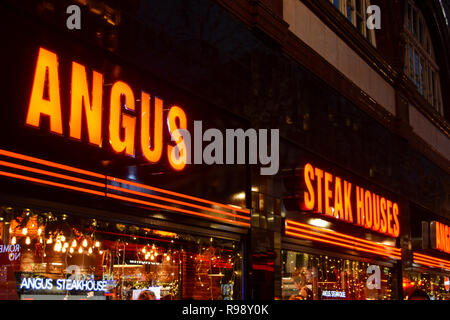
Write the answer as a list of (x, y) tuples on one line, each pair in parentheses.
[(13, 240), (27, 240), (319, 223), (24, 231)]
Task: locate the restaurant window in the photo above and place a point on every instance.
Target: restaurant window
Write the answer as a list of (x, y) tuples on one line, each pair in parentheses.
[(320, 277), (52, 255), (437, 286), (356, 13), (420, 63)]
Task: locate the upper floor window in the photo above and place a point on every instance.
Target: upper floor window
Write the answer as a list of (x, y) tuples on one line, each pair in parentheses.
[(356, 13), (420, 63)]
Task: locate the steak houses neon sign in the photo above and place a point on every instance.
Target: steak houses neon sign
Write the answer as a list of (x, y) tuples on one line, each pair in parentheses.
[(373, 211), (45, 100)]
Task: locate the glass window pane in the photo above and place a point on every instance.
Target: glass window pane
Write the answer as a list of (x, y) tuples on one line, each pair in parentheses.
[(416, 68), (112, 261), (318, 277), (349, 11), (422, 77), (337, 4)]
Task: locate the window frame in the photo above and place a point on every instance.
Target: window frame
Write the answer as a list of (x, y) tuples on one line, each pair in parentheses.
[(418, 44), (368, 34)]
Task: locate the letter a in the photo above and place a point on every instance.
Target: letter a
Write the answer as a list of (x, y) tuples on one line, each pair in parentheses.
[(50, 107), (74, 20)]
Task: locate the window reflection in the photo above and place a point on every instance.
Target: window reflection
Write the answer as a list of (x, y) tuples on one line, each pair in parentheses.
[(331, 278), (46, 255)]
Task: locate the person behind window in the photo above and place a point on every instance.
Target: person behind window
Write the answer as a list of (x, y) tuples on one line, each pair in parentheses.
[(418, 294), (147, 295)]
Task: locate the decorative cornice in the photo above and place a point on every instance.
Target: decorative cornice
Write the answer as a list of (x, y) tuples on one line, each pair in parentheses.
[(420, 103), (337, 22)]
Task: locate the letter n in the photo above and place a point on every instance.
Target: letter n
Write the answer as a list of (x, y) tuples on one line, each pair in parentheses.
[(93, 110), (45, 100)]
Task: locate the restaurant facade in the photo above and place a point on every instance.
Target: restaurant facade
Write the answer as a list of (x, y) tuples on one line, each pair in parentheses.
[(94, 204)]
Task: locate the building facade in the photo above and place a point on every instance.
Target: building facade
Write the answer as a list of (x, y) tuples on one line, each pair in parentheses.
[(94, 207)]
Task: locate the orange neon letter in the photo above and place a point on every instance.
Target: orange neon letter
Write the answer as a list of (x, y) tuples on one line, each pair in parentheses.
[(438, 235), (308, 172), (347, 201), (120, 121), (360, 205), (396, 222), (177, 162), (328, 193), (46, 102), (338, 205), (383, 222), (376, 212), (389, 217), (151, 153), (93, 110), (319, 176), (447, 239), (368, 209)]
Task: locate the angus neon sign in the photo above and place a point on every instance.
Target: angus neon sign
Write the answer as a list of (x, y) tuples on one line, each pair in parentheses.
[(440, 236), (372, 211), (45, 100)]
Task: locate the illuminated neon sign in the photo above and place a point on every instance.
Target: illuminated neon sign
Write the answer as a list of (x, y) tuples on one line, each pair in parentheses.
[(45, 101), (440, 236), (332, 196), (334, 294), (13, 251), (63, 284)]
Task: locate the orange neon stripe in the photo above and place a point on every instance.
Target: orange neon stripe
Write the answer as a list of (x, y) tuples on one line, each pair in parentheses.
[(176, 201), (177, 194), (175, 209), (338, 244), (51, 183), (52, 174), (431, 264), (344, 245), (342, 235), (419, 255), (440, 264), (373, 245), (431, 261), (97, 175), (50, 164), (355, 245), (338, 239)]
